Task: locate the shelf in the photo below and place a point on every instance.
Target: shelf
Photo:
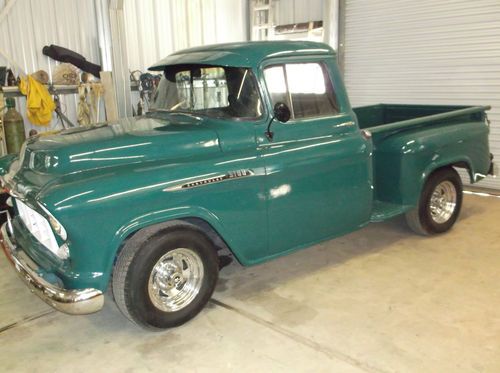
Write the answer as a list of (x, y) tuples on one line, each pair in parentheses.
[(60, 89)]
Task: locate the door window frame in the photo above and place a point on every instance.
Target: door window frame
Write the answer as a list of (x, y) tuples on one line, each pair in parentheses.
[(327, 73)]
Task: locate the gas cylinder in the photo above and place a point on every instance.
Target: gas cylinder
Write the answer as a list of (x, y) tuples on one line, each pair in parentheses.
[(14, 127)]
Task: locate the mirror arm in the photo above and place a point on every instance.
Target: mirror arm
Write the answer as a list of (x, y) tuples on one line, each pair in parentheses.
[(270, 134)]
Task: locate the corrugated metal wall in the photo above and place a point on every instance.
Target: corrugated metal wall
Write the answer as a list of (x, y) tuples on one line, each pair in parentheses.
[(428, 52), (32, 24), (156, 28)]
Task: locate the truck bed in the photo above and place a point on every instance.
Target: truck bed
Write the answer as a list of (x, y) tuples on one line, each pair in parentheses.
[(408, 138), (387, 117)]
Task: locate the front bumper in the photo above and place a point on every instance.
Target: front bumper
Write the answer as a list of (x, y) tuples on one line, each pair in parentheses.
[(74, 302)]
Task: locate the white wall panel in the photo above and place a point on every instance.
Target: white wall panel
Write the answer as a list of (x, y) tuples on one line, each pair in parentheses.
[(425, 52), (156, 28), (32, 24)]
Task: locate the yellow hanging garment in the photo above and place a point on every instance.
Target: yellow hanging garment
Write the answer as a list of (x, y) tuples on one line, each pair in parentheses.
[(39, 103)]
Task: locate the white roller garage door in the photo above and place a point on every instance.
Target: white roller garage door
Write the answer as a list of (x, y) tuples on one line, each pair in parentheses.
[(427, 52)]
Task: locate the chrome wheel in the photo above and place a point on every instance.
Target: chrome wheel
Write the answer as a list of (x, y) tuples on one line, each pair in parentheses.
[(175, 280), (443, 202)]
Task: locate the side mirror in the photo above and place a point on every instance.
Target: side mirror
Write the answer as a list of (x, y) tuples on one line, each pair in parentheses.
[(282, 112)]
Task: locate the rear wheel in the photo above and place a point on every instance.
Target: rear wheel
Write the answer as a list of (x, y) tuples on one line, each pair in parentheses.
[(163, 279), (439, 204)]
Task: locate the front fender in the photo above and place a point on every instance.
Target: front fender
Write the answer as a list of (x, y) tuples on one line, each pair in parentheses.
[(162, 216), (100, 211)]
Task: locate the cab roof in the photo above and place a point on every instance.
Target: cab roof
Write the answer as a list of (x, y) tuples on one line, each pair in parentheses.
[(243, 54)]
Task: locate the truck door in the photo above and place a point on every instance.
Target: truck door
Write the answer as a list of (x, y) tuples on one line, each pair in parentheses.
[(318, 165)]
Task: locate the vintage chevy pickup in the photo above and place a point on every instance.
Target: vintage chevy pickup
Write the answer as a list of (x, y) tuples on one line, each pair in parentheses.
[(247, 147)]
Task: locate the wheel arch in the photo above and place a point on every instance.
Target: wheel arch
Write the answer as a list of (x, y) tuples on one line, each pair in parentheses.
[(467, 166), (200, 219), (462, 162)]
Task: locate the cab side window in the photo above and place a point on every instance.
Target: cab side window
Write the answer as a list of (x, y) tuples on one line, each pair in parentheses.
[(305, 87)]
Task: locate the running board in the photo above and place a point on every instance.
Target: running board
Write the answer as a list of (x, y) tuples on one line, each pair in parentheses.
[(386, 210)]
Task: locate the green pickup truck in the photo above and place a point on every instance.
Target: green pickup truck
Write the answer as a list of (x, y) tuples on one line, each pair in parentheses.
[(247, 147)]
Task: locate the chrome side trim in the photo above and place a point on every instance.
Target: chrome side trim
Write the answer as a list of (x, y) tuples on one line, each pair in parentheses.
[(74, 302), (211, 180)]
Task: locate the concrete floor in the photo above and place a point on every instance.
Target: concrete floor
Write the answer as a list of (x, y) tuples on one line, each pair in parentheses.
[(381, 300)]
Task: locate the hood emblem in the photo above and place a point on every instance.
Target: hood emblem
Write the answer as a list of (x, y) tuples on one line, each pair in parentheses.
[(211, 180)]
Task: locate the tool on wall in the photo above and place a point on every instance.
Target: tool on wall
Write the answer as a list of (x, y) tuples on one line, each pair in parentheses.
[(83, 114), (62, 54), (65, 122), (96, 91), (147, 84), (89, 100), (135, 76)]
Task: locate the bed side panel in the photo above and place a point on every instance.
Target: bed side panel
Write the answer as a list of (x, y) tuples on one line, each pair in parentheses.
[(404, 160)]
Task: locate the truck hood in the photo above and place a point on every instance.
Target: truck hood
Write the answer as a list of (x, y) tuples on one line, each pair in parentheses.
[(156, 137)]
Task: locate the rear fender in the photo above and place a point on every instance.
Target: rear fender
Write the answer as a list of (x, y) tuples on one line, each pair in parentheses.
[(462, 162), (411, 199), (405, 160)]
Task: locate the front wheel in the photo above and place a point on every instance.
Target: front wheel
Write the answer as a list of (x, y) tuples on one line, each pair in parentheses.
[(164, 279), (439, 204)]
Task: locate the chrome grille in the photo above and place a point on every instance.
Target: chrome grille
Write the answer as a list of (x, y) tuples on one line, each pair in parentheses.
[(38, 226)]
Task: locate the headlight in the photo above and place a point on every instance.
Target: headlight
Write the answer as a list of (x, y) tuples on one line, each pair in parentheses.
[(54, 223), (57, 227), (41, 228)]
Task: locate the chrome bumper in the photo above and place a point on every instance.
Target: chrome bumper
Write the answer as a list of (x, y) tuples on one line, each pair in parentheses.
[(74, 302)]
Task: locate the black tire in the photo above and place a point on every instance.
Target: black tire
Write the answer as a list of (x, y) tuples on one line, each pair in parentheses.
[(421, 219), (136, 263)]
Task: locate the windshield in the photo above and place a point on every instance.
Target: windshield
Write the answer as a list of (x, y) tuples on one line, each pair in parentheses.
[(216, 91)]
